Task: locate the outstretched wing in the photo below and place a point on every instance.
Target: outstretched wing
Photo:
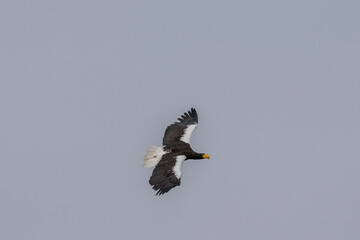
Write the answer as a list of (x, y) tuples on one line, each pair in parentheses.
[(167, 173), (182, 130)]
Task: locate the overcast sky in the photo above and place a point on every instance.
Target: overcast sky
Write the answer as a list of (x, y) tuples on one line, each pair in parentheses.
[(87, 86)]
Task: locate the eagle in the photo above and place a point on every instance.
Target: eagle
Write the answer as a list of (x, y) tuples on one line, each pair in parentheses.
[(176, 149)]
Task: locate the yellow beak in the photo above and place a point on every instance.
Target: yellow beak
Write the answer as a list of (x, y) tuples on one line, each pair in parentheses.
[(206, 156)]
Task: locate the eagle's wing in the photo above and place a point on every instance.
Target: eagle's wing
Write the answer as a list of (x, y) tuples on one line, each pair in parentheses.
[(167, 173), (182, 130)]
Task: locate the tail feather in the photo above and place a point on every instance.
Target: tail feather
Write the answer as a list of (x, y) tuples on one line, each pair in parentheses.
[(153, 156)]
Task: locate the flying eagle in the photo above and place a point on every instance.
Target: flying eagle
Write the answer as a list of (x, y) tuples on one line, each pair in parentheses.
[(176, 149)]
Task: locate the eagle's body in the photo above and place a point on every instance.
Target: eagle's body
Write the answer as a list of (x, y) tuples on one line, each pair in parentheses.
[(176, 149)]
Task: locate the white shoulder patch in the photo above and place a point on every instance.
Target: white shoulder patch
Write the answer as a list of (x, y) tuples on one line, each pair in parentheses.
[(177, 167), (187, 133)]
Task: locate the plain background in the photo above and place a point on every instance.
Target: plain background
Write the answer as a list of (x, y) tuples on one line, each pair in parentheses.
[(87, 86)]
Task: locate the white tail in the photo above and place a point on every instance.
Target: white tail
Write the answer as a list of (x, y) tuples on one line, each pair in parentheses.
[(153, 156)]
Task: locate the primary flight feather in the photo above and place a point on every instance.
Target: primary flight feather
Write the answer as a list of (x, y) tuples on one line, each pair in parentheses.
[(176, 149)]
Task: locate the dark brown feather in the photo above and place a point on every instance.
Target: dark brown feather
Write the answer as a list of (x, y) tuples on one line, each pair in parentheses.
[(175, 131), (163, 178)]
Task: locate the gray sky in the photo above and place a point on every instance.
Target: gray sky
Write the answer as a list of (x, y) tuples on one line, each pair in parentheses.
[(87, 86)]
